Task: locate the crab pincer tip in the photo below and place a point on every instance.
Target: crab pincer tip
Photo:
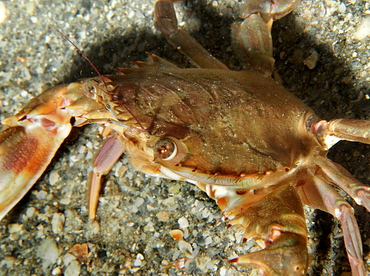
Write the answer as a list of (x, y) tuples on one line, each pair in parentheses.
[(235, 260)]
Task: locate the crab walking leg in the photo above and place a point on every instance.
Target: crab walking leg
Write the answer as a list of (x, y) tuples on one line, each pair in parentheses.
[(166, 22), (269, 9), (107, 156), (351, 130), (278, 220), (329, 133), (338, 207), (29, 142), (252, 38), (344, 180)]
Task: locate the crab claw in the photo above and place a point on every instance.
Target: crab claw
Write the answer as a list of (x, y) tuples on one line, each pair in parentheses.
[(286, 257), (278, 220), (28, 142)]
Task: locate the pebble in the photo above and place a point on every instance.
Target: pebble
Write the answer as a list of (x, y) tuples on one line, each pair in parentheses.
[(73, 269), (185, 248), (138, 202), (183, 222), (106, 239), (30, 211), (208, 240), (139, 259), (56, 271), (363, 30), (57, 223), (170, 202), (14, 228), (41, 195), (163, 216), (3, 12), (49, 252), (311, 61)]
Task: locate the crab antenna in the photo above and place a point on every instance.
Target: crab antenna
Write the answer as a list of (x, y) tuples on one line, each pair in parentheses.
[(99, 74), (82, 53)]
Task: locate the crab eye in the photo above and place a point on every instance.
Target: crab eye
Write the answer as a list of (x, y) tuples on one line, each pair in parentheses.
[(90, 89), (166, 149), (170, 151)]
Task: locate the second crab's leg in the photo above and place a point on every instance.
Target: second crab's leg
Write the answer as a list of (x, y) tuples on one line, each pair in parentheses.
[(166, 22), (252, 37)]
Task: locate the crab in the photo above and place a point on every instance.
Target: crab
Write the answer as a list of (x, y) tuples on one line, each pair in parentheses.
[(56, 209)]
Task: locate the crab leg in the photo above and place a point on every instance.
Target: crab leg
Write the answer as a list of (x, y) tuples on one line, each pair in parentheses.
[(338, 207), (107, 156), (343, 179), (166, 22), (329, 133), (29, 142), (351, 130), (252, 38)]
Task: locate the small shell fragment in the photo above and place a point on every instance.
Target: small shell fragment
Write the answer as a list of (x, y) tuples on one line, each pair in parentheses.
[(180, 264), (311, 61), (177, 234), (80, 251)]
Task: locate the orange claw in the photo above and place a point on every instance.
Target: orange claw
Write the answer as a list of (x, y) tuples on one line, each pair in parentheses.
[(29, 142)]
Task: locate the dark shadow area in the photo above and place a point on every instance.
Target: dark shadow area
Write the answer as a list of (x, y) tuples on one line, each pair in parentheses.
[(321, 88), (322, 228)]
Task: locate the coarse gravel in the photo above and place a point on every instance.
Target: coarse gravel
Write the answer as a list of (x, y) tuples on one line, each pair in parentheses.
[(136, 213)]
